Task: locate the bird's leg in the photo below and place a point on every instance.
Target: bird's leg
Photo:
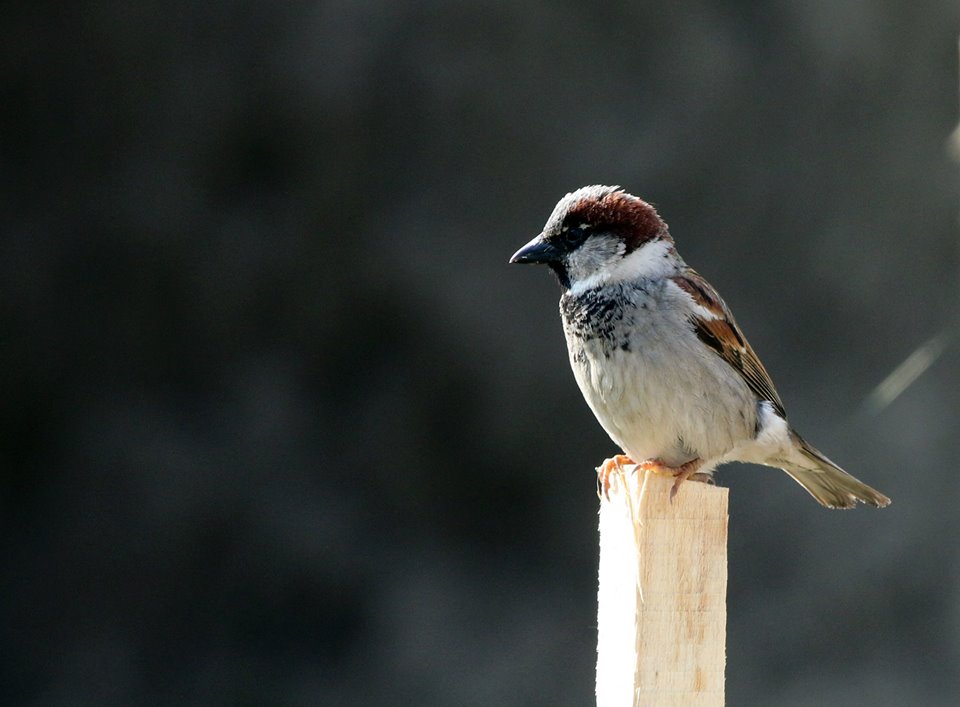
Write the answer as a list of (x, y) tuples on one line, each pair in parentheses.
[(680, 473), (684, 472), (610, 466), (656, 466), (704, 477)]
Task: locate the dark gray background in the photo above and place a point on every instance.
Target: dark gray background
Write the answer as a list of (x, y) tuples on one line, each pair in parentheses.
[(280, 426)]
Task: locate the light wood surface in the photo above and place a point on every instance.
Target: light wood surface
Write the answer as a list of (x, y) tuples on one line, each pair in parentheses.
[(662, 599)]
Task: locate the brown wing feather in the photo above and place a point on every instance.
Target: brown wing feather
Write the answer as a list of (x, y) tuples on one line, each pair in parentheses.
[(724, 336)]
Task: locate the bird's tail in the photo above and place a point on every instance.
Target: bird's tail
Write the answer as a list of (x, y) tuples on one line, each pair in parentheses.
[(825, 481)]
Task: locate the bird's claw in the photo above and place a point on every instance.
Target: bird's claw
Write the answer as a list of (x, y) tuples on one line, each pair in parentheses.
[(611, 466), (681, 473)]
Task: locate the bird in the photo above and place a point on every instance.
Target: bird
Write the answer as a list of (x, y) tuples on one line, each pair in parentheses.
[(660, 358)]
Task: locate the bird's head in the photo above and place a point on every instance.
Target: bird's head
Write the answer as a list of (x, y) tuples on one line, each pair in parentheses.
[(599, 235)]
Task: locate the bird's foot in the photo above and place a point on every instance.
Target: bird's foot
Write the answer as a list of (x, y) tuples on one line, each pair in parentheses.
[(680, 473), (611, 466), (684, 472)]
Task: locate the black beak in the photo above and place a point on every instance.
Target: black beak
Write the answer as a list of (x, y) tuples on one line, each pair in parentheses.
[(537, 251)]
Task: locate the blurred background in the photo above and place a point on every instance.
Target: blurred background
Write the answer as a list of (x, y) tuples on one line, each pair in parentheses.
[(280, 425)]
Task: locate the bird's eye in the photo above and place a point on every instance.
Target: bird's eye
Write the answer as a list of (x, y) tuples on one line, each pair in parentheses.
[(573, 237)]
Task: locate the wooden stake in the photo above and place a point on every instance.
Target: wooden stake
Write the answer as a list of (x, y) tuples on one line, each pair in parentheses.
[(663, 588)]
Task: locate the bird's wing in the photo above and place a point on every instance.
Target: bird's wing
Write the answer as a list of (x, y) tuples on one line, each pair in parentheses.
[(716, 327)]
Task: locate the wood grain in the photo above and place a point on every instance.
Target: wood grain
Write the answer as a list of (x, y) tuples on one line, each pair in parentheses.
[(662, 597)]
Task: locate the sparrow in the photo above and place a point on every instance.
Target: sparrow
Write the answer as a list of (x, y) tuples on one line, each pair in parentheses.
[(659, 357)]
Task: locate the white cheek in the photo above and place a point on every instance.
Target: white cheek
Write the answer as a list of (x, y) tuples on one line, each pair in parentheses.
[(652, 259), (599, 265), (590, 264)]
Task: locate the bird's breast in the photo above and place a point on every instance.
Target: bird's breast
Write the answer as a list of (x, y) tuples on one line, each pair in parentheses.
[(655, 389)]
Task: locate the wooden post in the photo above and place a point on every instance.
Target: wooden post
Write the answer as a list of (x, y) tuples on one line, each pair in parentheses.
[(663, 588)]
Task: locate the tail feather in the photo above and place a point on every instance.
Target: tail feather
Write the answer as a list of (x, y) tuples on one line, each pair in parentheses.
[(827, 482)]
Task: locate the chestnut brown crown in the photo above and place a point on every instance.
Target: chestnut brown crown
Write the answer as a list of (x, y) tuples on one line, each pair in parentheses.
[(611, 210)]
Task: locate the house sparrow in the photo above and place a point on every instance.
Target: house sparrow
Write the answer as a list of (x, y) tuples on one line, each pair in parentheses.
[(659, 357)]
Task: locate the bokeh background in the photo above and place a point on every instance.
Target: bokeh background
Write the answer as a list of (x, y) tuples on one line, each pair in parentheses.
[(280, 425)]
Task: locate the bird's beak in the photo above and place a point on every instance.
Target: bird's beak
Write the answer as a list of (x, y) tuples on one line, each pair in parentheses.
[(537, 251)]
